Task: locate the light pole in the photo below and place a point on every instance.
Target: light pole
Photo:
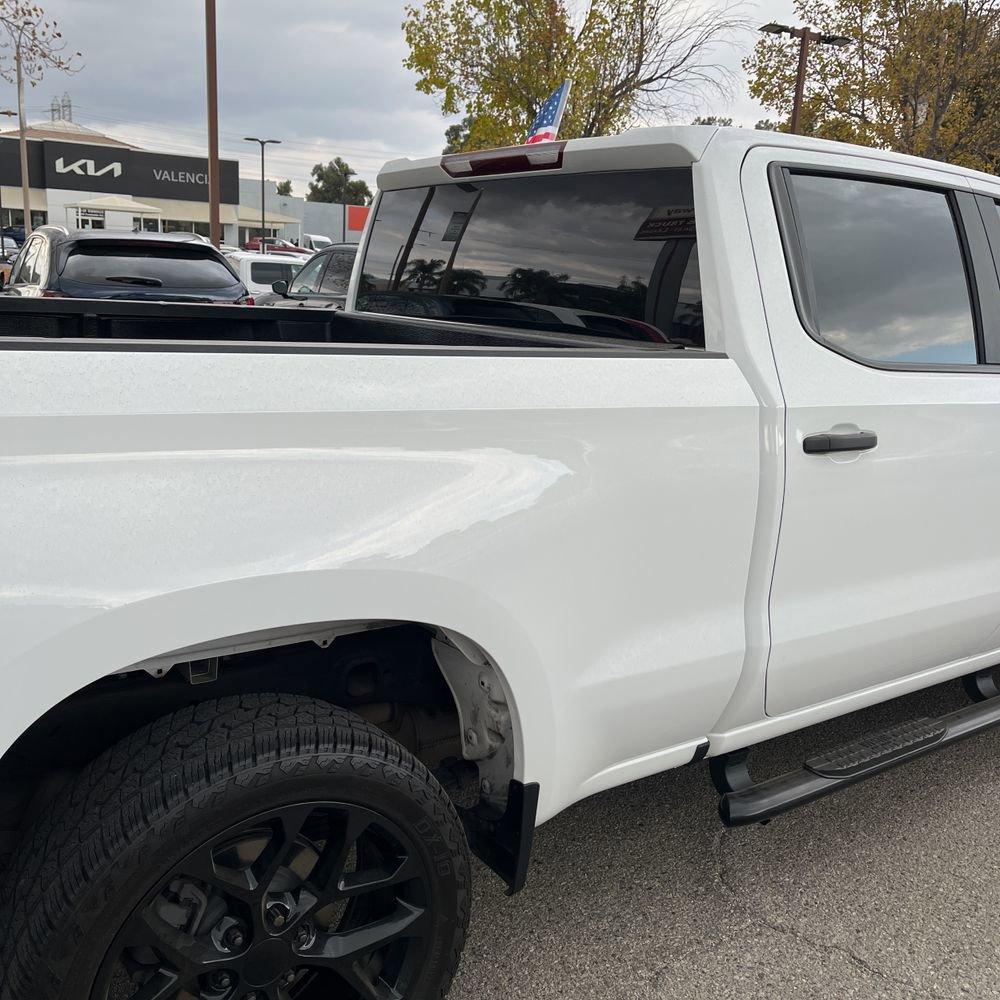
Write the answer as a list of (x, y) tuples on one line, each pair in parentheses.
[(263, 218), (8, 114), (805, 36), (212, 87)]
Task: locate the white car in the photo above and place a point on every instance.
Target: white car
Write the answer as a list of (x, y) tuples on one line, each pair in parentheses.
[(258, 271), (300, 607)]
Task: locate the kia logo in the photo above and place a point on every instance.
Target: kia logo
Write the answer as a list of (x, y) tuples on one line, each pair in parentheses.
[(88, 168)]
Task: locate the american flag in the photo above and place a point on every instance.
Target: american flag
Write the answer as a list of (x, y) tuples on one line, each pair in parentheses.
[(546, 126)]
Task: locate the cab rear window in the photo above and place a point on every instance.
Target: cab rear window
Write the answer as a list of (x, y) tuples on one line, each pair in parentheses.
[(610, 255)]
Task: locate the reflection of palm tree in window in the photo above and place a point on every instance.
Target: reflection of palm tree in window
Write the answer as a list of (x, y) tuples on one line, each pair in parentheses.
[(423, 275), (527, 284), (465, 281)]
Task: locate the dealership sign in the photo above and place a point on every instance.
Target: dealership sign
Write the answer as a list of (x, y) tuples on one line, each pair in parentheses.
[(77, 166), (88, 167)]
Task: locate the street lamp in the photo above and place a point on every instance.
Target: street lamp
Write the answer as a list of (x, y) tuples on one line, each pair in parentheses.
[(263, 143), (8, 114), (805, 36)]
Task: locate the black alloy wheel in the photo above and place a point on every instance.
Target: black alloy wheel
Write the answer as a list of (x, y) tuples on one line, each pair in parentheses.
[(267, 847), (314, 900)]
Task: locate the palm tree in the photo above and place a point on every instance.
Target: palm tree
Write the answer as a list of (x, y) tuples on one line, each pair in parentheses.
[(423, 275), (528, 284), (464, 281)]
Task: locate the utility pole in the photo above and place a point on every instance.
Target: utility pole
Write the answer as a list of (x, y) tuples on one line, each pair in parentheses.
[(211, 74), (25, 185), (263, 214), (805, 36), (8, 114)]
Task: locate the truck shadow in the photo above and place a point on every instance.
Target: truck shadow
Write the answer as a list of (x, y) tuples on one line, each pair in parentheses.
[(640, 892)]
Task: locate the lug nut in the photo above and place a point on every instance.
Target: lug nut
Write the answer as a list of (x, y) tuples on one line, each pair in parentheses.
[(289, 977), (220, 980), (304, 936), (234, 938), (278, 914)]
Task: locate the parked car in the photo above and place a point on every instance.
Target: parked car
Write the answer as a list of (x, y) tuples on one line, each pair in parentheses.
[(259, 271), (314, 242), (108, 264), (300, 607), (322, 282), (271, 244), (16, 233)]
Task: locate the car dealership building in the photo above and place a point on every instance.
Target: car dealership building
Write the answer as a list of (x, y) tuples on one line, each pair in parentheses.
[(82, 179)]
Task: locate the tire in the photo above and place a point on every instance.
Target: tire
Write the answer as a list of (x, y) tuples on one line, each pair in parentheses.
[(231, 845)]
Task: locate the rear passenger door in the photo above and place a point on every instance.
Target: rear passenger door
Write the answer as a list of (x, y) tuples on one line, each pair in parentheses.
[(881, 300)]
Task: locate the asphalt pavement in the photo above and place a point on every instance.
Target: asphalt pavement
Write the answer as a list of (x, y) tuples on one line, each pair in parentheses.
[(890, 889)]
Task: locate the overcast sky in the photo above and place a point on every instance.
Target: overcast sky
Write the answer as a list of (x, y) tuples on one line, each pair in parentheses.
[(324, 76)]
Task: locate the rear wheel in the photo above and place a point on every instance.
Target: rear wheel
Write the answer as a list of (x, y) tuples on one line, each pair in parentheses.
[(268, 847)]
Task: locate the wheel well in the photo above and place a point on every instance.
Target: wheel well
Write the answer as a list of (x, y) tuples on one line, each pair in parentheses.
[(407, 678)]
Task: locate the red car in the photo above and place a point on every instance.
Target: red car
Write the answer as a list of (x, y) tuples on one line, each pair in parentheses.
[(271, 244)]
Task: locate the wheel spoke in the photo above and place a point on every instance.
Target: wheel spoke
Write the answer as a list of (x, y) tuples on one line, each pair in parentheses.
[(280, 851), (372, 879), (187, 955), (162, 985), (335, 949), (329, 869), (363, 986)]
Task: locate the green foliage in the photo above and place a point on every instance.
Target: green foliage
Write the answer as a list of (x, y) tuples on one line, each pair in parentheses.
[(496, 61), (284, 189), (919, 76), (333, 182), (712, 120)]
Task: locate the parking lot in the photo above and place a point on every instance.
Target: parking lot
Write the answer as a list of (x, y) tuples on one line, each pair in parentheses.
[(889, 889)]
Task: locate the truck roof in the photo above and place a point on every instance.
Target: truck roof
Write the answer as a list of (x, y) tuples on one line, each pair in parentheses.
[(664, 146)]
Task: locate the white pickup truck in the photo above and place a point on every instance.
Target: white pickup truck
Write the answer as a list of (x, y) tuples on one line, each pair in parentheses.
[(628, 452)]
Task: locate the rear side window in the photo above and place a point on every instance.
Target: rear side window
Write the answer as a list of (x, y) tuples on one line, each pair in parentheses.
[(337, 275), (603, 255), (265, 272), (885, 270), (150, 267)]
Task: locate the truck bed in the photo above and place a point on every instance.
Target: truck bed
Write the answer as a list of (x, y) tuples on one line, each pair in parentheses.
[(55, 323)]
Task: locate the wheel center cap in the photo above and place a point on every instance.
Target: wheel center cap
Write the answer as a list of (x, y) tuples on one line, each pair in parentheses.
[(266, 963)]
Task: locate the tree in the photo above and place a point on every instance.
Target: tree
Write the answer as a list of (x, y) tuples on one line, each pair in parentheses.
[(712, 120), (424, 275), (459, 137), (528, 284), (34, 45), (333, 183), (918, 77), (284, 189), (496, 61)]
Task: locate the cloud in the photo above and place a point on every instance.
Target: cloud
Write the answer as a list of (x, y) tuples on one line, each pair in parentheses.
[(324, 76)]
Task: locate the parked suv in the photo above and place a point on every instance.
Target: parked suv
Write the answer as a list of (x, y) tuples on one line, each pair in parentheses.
[(105, 264), (321, 284)]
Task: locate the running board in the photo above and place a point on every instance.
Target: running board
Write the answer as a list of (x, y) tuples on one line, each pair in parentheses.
[(744, 801)]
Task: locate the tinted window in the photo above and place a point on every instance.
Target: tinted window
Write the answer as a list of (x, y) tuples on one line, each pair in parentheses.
[(307, 280), (24, 271), (151, 267), (338, 274), (596, 254), (264, 272), (886, 269)]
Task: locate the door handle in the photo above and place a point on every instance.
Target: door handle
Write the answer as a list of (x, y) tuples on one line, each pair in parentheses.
[(820, 444)]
